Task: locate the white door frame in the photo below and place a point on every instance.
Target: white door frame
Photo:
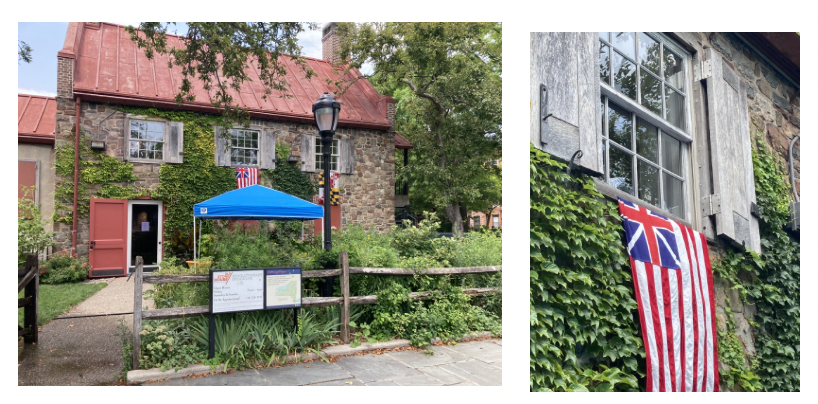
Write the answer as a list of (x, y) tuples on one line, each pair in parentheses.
[(158, 234)]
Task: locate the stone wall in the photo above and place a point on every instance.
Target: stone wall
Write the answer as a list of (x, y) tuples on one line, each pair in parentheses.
[(774, 110), (367, 195)]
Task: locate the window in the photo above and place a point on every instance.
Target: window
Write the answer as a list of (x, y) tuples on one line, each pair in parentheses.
[(319, 155), (476, 221), (495, 222), (244, 147), (642, 152), (146, 140)]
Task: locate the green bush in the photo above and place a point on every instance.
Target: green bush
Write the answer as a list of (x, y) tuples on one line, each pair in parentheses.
[(31, 235), (64, 268), (167, 346)]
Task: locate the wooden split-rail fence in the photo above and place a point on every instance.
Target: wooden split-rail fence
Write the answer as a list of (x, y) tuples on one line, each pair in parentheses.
[(345, 300), (29, 279)]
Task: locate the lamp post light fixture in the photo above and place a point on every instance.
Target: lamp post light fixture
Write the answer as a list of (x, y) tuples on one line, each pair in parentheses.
[(326, 111)]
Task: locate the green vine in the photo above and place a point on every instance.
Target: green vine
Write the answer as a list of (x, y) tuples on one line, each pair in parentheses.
[(771, 279), (95, 169), (583, 330), (731, 353)]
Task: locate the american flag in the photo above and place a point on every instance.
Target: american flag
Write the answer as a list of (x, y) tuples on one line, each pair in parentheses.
[(246, 177), (674, 290)]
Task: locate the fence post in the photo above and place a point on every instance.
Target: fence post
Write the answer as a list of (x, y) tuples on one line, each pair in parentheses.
[(344, 260), (32, 290), (137, 312)]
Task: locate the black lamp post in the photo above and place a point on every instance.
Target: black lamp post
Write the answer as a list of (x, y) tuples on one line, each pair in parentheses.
[(326, 111)]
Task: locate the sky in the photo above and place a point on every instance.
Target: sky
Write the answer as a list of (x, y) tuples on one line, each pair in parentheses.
[(46, 39)]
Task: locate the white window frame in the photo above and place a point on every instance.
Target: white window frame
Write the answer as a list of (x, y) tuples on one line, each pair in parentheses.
[(128, 139), (610, 94), (319, 154), (160, 230), (495, 221), (233, 132)]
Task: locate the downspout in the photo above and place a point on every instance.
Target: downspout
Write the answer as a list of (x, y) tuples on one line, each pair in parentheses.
[(76, 177), (792, 171)]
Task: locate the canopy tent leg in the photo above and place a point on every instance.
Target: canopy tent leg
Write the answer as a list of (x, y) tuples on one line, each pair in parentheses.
[(194, 240)]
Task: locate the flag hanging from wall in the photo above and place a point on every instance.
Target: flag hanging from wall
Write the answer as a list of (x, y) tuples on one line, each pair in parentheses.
[(335, 192), (674, 290), (246, 176)]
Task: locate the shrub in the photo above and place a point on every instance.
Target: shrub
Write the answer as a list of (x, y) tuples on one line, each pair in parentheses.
[(64, 268), (31, 235)]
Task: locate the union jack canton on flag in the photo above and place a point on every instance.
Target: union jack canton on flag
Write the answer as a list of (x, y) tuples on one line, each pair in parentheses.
[(246, 177), (674, 290)]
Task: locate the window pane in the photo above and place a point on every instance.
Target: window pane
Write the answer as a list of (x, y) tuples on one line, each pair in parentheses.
[(647, 140), (624, 75), (674, 200), (620, 125), (604, 156), (626, 42), (671, 154), (651, 92), (674, 73), (604, 35), (252, 157), (158, 155), (648, 183), (675, 105), (649, 53), (605, 64), (143, 154), (134, 133), (621, 169), (134, 149)]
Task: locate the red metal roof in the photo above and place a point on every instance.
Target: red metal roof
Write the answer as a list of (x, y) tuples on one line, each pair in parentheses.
[(109, 67), (36, 117), (402, 143)]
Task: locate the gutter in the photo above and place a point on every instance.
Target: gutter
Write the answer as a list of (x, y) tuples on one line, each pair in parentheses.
[(76, 177)]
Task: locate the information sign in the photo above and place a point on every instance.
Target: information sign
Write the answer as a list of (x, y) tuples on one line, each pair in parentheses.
[(237, 290), (283, 288)]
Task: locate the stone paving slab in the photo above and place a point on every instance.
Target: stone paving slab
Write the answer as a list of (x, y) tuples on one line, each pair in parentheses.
[(439, 356), (348, 382), (486, 350), (370, 368), (245, 378), (418, 380), (476, 371), (303, 374), (446, 377)]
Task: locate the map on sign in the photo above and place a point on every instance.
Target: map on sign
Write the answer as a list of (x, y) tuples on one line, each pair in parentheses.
[(283, 288), (237, 291)]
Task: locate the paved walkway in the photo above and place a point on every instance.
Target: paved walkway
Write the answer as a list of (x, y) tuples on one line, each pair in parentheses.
[(82, 351), (477, 363)]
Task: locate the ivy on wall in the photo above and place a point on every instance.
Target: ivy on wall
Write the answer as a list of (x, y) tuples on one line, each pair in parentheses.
[(584, 332), (771, 280), (95, 168)]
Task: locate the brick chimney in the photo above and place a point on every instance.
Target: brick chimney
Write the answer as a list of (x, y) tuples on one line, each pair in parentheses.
[(329, 43)]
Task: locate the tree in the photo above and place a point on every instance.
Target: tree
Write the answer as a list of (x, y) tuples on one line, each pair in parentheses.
[(446, 79), (32, 238), (23, 52), (218, 53)]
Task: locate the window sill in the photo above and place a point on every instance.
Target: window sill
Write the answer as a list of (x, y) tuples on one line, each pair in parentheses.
[(614, 193), (144, 161)]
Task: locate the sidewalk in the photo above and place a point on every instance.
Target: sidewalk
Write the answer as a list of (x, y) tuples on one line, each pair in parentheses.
[(477, 363), (80, 351)]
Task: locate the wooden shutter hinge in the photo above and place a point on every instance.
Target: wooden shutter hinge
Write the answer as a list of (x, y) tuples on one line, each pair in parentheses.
[(711, 205), (702, 71)]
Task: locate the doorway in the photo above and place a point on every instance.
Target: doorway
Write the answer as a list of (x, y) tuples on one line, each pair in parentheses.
[(145, 234)]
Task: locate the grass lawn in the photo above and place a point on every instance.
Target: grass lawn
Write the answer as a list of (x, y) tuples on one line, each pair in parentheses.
[(57, 299)]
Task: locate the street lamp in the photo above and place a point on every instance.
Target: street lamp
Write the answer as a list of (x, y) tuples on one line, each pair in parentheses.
[(326, 111)]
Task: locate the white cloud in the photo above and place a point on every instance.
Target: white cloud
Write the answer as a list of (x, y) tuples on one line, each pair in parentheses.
[(310, 41), (36, 92)]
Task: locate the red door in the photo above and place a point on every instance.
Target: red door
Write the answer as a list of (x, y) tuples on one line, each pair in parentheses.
[(109, 237), (335, 220)]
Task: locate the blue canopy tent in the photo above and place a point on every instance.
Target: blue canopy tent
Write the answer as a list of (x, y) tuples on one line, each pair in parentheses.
[(255, 202)]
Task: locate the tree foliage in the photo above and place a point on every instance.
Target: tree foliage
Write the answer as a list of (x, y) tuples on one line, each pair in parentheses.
[(446, 79), (23, 52), (218, 54)]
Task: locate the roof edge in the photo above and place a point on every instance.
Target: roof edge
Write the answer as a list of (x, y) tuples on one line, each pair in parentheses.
[(72, 39)]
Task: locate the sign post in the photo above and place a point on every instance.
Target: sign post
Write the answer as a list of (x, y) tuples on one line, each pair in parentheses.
[(241, 290)]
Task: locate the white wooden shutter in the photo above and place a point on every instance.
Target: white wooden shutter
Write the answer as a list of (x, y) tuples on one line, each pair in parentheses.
[(347, 163), (174, 138), (308, 153), (732, 163), (565, 97), (222, 148), (267, 150)]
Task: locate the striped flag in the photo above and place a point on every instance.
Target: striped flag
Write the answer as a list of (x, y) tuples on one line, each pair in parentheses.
[(674, 291), (246, 177)]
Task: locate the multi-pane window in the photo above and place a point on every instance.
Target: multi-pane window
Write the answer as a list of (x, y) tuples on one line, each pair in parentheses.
[(319, 155), (476, 221), (244, 147), (641, 158), (647, 70), (495, 222), (146, 140)]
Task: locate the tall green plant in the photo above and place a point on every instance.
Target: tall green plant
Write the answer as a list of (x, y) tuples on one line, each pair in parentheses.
[(32, 238), (583, 335)]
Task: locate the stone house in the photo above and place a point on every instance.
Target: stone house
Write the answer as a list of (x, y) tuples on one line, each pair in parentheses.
[(100, 70), (667, 121), (35, 150)]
